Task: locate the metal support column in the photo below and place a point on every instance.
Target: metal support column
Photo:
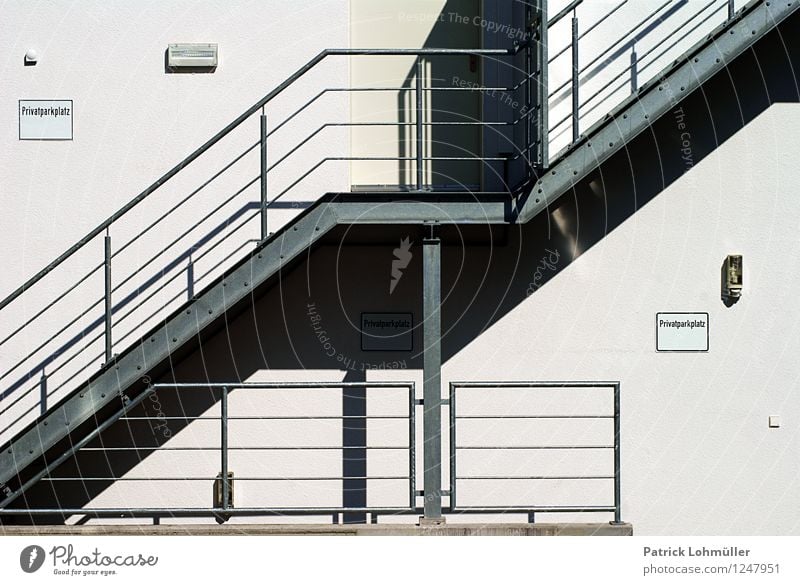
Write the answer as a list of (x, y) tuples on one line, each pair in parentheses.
[(354, 451), (419, 116), (731, 9), (107, 264), (576, 102), (617, 459), (432, 365), (264, 201), (634, 70)]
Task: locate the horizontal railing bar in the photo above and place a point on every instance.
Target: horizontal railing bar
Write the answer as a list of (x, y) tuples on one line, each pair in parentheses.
[(534, 416), (246, 448), (523, 509), (532, 447), (580, 384), (287, 417), (279, 385), (204, 512), (209, 478), (395, 124), (535, 477), (414, 87), (200, 512), (411, 158)]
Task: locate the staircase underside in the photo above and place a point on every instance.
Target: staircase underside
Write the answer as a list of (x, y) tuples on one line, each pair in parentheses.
[(128, 375)]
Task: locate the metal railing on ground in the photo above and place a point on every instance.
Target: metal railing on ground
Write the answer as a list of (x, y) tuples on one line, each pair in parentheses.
[(597, 434), (252, 445)]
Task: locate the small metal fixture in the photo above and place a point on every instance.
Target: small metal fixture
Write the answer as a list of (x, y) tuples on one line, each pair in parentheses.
[(732, 279)]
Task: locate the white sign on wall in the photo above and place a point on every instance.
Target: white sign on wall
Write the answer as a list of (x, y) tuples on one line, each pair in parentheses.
[(681, 331), (386, 331), (45, 119)]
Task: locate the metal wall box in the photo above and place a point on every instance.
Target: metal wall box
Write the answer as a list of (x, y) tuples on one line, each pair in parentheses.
[(183, 55)]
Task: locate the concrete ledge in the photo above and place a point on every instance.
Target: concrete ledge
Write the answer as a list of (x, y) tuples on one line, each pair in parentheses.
[(325, 530)]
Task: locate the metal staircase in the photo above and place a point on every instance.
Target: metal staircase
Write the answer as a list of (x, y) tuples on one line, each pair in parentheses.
[(63, 387)]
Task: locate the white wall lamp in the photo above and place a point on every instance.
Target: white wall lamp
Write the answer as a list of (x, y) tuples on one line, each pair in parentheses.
[(31, 57), (192, 57)]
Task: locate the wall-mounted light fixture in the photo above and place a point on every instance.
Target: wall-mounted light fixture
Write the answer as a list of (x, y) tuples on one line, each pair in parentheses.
[(192, 56), (732, 279), (31, 57)]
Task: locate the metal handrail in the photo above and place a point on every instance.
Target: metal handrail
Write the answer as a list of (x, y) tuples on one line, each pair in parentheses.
[(103, 226), (630, 68), (531, 142), (226, 507), (36, 368), (616, 476)]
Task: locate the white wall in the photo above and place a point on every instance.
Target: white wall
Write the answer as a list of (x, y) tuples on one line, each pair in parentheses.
[(697, 454), (698, 457), (133, 122)]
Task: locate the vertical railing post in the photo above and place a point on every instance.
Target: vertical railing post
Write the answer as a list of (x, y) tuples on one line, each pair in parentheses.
[(634, 70), (432, 372), (420, 176), (43, 392), (107, 264), (529, 76), (452, 447), (543, 118), (731, 9), (576, 104), (190, 279), (617, 459), (224, 447), (412, 445), (264, 201)]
